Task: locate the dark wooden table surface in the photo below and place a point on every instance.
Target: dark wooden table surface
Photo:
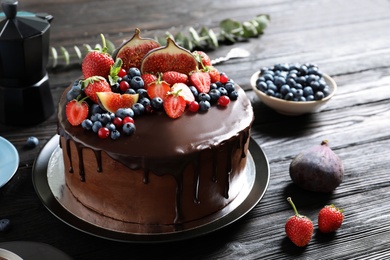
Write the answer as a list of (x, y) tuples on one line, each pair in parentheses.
[(349, 40)]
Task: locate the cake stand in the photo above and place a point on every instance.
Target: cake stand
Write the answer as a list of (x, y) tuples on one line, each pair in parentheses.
[(49, 183)]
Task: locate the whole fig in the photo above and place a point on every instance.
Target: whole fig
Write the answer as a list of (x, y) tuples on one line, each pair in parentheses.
[(318, 169)]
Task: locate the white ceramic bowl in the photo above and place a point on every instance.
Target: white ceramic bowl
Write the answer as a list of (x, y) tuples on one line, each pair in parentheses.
[(294, 108)]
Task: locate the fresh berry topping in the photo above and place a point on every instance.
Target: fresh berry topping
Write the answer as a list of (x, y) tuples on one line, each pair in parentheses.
[(299, 228), (96, 126), (193, 106), (87, 124), (123, 112), (5, 224), (127, 119), (223, 78), (157, 103), (201, 81), (136, 82), (214, 95), (158, 89), (128, 128), (148, 79), (202, 58), (223, 101), (185, 92), (97, 63), (204, 105), (75, 91), (103, 132), (233, 95), (123, 86), (133, 72), (115, 134), (214, 75), (110, 126), (138, 109), (172, 77), (330, 219), (174, 104), (95, 84), (122, 72), (76, 111), (118, 122)]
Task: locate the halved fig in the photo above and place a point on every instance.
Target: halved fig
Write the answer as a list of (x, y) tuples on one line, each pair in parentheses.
[(171, 57), (111, 101), (133, 51)]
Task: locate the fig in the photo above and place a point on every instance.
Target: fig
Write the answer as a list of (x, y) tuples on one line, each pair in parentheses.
[(317, 169), (171, 57), (111, 101), (133, 51)]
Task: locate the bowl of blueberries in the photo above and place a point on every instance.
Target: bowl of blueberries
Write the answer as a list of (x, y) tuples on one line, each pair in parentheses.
[(293, 89)]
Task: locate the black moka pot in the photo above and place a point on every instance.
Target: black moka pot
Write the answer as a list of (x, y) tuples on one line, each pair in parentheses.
[(25, 97)]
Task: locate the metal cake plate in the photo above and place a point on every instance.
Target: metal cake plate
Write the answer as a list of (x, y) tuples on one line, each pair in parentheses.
[(49, 183)]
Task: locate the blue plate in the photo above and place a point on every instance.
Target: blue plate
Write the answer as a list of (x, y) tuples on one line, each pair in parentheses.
[(9, 161)]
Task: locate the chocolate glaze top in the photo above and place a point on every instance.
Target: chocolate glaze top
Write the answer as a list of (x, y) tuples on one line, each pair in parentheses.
[(158, 136)]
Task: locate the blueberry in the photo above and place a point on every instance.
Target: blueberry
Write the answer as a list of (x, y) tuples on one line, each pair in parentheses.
[(144, 101), (130, 91), (110, 126), (128, 128), (229, 87), (138, 109), (5, 224), (214, 95), (270, 92), (104, 118), (95, 108), (233, 95), (319, 95), (142, 93), (195, 91), (74, 91), (289, 96), (223, 91), (204, 105), (291, 82), (268, 76), (204, 97), (299, 93), (95, 117), (115, 134), (96, 126), (262, 86), (157, 103), (303, 70), (115, 87), (309, 98), (284, 89), (213, 86), (87, 124), (137, 82), (123, 112), (132, 72), (315, 85), (32, 142), (307, 91)]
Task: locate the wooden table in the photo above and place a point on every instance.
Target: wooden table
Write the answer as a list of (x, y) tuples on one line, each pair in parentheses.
[(348, 40)]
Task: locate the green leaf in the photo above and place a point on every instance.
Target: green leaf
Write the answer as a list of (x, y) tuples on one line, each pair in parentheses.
[(249, 30), (263, 20), (65, 54), (231, 27)]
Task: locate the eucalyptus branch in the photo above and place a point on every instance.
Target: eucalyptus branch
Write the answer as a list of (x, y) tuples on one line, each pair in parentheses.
[(229, 32)]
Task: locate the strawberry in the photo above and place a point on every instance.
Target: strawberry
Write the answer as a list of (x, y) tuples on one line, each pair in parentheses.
[(330, 219), (148, 79), (185, 92), (97, 62), (202, 58), (174, 104), (76, 111), (299, 228), (158, 88), (172, 77), (214, 74), (201, 81), (95, 84)]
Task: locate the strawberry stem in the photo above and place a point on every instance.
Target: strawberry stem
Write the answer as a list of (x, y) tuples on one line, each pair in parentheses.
[(293, 206)]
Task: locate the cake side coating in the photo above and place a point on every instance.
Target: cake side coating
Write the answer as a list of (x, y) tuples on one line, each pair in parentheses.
[(169, 171)]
